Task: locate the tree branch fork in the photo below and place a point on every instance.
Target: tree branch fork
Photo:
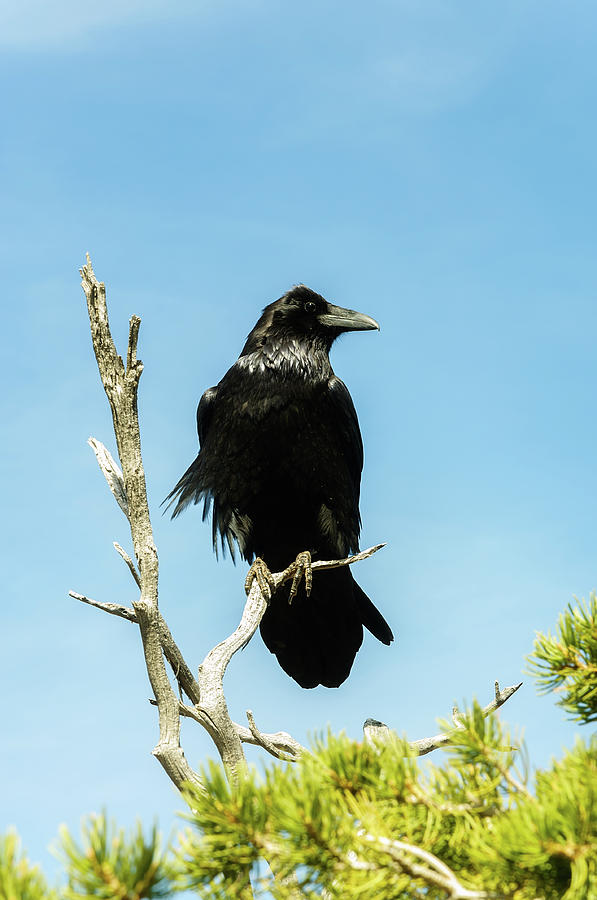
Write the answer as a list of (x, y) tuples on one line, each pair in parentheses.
[(205, 692)]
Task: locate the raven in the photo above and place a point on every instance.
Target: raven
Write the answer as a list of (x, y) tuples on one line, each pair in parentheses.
[(280, 465)]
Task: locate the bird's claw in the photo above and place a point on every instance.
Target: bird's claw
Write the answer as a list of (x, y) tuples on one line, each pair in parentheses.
[(260, 572), (300, 568)]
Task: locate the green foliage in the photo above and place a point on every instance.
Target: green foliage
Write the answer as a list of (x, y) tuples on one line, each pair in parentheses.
[(19, 880), (114, 866), (364, 821), (567, 661), (550, 839), (340, 817)]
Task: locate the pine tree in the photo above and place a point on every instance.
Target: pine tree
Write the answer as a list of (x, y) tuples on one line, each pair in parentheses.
[(365, 820), (356, 819)]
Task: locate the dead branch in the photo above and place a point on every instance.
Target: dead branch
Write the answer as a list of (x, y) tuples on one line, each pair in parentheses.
[(377, 731), (112, 473), (207, 692), (281, 745), (128, 486), (115, 609), (131, 565), (181, 671)]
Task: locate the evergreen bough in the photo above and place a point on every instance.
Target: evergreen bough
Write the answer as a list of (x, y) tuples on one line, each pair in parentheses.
[(365, 820), (567, 662), (19, 880)]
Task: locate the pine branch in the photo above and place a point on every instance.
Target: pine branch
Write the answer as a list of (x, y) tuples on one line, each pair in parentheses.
[(567, 661)]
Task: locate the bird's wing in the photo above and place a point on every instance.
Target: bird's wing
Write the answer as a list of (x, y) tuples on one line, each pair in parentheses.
[(189, 488), (349, 423), (340, 464), (205, 413)]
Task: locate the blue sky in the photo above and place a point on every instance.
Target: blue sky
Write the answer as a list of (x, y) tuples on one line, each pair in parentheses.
[(430, 164)]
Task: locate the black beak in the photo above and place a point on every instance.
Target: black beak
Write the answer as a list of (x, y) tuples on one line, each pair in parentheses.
[(346, 319)]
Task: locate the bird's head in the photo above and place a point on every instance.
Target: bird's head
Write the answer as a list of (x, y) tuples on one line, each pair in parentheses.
[(302, 314)]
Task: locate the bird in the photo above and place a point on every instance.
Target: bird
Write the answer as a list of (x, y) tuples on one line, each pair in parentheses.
[(279, 468)]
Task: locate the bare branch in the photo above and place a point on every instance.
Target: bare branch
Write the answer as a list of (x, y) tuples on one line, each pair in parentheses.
[(281, 740), (113, 608), (121, 388), (207, 693), (378, 731), (131, 356), (500, 697), (112, 473), (281, 745), (122, 552), (336, 563), (426, 745), (208, 702), (182, 672), (211, 674), (213, 668)]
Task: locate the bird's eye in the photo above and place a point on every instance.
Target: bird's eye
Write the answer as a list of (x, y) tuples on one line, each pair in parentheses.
[(310, 306)]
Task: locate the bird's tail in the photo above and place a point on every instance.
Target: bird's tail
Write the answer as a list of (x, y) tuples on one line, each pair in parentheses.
[(188, 489), (316, 638), (371, 617)]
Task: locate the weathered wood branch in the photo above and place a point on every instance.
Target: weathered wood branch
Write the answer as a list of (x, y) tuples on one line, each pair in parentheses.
[(181, 670), (280, 744), (211, 671), (379, 731), (206, 693), (128, 486), (112, 474), (131, 565)]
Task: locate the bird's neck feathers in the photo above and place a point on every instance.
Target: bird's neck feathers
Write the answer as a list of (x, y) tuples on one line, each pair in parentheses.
[(279, 351)]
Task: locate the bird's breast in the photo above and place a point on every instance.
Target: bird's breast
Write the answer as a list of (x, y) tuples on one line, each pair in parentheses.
[(269, 430), (275, 452)]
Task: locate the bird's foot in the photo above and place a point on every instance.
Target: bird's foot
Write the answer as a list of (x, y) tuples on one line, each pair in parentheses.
[(260, 572), (300, 568)]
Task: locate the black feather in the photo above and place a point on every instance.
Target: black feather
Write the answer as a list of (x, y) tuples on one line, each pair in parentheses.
[(280, 466)]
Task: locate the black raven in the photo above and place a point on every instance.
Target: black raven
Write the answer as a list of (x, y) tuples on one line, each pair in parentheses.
[(280, 466)]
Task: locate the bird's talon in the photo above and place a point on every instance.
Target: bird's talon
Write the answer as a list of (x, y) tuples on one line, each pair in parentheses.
[(260, 572), (308, 577), (294, 587), (300, 568)]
